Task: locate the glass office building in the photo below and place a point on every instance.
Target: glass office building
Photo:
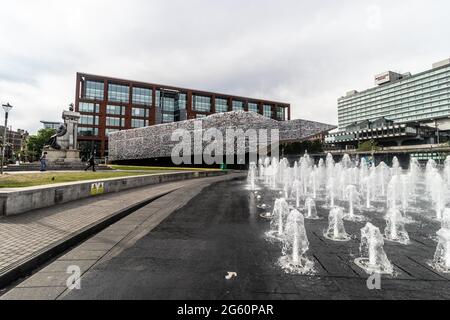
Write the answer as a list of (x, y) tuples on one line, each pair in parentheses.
[(403, 109), (402, 98), (109, 105)]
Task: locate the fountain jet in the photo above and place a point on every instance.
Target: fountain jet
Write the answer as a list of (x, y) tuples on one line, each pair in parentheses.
[(395, 227), (295, 246), (373, 258), (336, 230), (441, 260), (280, 213), (311, 210)]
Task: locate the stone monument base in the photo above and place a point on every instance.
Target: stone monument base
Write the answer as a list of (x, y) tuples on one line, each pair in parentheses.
[(63, 157)]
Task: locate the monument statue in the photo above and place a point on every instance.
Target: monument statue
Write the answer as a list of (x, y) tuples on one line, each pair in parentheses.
[(53, 141), (62, 146)]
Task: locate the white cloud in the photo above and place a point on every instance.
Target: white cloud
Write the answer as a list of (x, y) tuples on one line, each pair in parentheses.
[(302, 52)]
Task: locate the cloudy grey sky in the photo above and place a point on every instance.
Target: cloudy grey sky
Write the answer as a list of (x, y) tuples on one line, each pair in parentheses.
[(307, 53)]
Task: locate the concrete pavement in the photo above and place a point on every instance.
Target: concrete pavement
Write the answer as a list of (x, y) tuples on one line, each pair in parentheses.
[(188, 255), (35, 233)]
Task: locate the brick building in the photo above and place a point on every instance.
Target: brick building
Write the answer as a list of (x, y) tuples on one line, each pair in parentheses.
[(109, 105)]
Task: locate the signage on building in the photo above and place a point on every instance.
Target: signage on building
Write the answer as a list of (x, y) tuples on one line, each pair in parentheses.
[(383, 78), (97, 188)]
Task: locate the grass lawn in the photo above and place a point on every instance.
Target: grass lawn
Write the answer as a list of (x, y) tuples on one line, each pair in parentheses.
[(143, 168), (37, 179)]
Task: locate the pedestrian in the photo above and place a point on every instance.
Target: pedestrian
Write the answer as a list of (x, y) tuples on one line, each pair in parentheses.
[(91, 162), (43, 161)]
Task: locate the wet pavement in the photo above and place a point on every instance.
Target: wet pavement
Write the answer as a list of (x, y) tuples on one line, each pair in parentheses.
[(189, 254)]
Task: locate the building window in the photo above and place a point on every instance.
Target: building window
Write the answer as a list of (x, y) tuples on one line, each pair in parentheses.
[(200, 116), (118, 93), (115, 122), (110, 130), (87, 132), (281, 113), (142, 96), (267, 111), (221, 105), (202, 104), (167, 118), (158, 98), (90, 120), (139, 112), (116, 110), (168, 104), (94, 90), (138, 123), (253, 107), (182, 100), (88, 107), (238, 105)]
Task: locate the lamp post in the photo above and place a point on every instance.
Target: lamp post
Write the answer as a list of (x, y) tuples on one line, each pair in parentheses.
[(7, 107)]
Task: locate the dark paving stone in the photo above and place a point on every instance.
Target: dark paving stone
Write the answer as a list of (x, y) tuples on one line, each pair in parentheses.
[(189, 254)]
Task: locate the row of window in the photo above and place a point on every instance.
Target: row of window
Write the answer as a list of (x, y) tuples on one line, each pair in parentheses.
[(394, 113), (118, 93), (93, 132), (401, 86), (113, 110), (421, 104), (413, 107), (395, 98), (203, 104), (143, 96), (418, 102), (112, 121)]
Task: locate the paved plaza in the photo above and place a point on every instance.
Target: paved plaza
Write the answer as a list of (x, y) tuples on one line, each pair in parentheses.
[(187, 254), (27, 235)]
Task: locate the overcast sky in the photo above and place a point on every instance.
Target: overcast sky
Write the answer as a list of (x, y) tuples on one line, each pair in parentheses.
[(307, 53)]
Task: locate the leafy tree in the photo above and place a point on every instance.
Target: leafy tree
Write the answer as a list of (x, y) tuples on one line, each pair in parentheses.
[(296, 148), (370, 145), (36, 143)]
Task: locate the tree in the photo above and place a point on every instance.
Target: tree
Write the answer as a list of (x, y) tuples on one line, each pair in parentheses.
[(36, 143), (370, 145), (297, 148)]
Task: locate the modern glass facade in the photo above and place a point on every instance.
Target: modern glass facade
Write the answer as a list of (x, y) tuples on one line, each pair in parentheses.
[(115, 122), (94, 90), (139, 112), (110, 130), (238, 105), (182, 101), (253, 107), (116, 110), (267, 111), (89, 107), (221, 105), (108, 105), (421, 97), (280, 114), (118, 93), (88, 120), (87, 131), (138, 123), (142, 96), (201, 103)]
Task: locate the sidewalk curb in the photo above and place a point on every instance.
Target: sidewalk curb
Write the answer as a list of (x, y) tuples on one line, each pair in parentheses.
[(25, 266)]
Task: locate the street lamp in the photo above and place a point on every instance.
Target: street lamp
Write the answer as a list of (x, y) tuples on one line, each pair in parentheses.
[(7, 107)]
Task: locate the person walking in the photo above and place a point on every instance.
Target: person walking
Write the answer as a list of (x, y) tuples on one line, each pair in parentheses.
[(43, 161), (91, 162)]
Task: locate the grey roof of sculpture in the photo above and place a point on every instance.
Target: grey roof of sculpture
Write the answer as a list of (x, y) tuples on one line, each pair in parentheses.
[(155, 141)]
